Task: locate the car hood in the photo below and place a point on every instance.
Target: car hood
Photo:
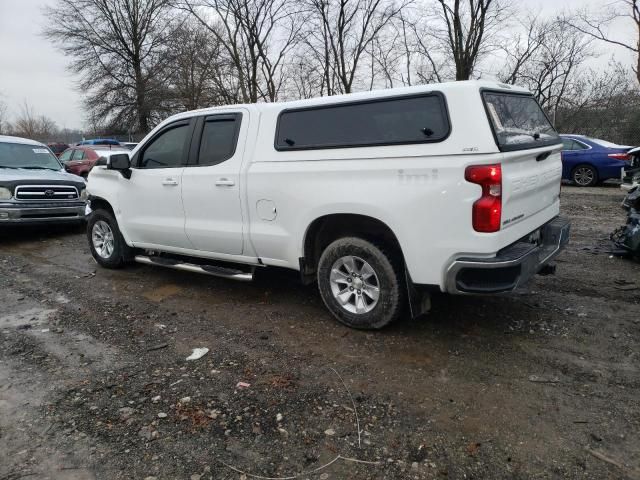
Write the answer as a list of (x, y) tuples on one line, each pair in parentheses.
[(38, 177)]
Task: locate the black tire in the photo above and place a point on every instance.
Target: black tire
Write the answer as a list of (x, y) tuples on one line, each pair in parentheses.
[(389, 277), (585, 176), (121, 253)]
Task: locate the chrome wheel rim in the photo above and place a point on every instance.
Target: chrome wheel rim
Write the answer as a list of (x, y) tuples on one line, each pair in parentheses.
[(583, 176), (354, 284), (103, 239)]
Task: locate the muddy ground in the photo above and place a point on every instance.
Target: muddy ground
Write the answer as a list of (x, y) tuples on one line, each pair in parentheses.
[(543, 383)]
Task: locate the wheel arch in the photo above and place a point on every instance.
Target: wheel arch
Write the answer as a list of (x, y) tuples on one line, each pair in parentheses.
[(96, 203), (325, 229)]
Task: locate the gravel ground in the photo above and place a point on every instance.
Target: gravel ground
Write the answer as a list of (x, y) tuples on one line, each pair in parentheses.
[(94, 381)]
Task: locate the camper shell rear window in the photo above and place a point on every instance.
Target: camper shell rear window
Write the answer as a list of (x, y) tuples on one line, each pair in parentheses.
[(517, 121), (386, 121)]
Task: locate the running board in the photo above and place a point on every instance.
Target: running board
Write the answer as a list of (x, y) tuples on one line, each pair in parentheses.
[(212, 270)]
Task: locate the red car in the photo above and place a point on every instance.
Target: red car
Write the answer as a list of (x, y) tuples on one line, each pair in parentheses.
[(80, 159), (57, 148)]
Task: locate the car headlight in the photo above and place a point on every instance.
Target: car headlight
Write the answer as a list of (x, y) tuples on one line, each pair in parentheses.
[(5, 193), (84, 195)]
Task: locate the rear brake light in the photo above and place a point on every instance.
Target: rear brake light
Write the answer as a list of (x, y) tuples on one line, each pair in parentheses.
[(620, 156), (487, 211)]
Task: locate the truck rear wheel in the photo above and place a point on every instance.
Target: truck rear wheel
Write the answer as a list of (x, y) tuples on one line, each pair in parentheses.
[(360, 283), (105, 240)]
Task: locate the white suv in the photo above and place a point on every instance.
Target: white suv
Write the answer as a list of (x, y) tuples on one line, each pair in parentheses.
[(382, 197)]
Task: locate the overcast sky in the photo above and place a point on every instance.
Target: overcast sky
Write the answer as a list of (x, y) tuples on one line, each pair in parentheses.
[(31, 69)]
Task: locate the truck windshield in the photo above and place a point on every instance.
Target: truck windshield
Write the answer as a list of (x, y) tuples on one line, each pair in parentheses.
[(17, 155), (518, 121)]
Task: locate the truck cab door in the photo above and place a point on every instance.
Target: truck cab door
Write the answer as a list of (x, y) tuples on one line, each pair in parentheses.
[(150, 201), (211, 184)]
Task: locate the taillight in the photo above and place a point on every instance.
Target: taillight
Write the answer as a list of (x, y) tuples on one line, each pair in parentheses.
[(620, 156), (487, 211)]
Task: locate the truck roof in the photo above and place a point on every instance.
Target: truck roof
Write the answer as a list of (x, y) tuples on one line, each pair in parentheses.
[(445, 87)]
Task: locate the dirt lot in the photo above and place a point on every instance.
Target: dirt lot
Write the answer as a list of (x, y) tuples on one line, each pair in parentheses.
[(543, 383)]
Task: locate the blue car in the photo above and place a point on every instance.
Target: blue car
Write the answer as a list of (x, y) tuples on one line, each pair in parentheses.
[(99, 141), (588, 161)]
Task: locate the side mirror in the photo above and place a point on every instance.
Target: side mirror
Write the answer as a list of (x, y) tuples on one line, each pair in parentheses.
[(120, 162)]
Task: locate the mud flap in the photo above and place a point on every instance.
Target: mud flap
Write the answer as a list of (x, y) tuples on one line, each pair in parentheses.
[(419, 300)]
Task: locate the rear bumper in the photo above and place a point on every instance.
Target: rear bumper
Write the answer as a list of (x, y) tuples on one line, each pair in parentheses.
[(512, 267), (18, 213)]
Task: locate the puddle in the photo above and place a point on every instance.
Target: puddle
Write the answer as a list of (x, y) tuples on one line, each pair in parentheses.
[(160, 293), (62, 299), (33, 316)]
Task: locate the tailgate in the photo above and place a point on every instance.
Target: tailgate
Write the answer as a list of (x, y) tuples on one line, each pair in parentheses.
[(530, 183)]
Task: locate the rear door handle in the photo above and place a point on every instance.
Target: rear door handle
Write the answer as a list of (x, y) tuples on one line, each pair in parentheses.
[(225, 182), (170, 182)]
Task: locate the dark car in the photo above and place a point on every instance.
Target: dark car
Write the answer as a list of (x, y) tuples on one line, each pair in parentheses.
[(79, 160), (33, 186), (57, 148), (588, 161)]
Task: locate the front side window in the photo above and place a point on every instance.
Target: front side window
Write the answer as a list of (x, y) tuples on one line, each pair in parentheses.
[(390, 121), (518, 121), (34, 157), (77, 154), (219, 137), (167, 149), (66, 156)]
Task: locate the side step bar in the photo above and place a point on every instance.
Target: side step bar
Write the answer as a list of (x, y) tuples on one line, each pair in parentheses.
[(213, 270)]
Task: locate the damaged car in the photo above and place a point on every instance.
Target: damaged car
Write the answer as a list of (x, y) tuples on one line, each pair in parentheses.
[(627, 237)]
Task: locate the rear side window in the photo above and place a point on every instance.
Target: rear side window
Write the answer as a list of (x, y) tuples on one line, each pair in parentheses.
[(570, 144), (219, 138), (391, 121), (518, 121)]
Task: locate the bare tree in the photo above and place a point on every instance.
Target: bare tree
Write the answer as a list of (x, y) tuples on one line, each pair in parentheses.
[(256, 36), (548, 62), (29, 124), (339, 34), (424, 58), (197, 67), (529, 38), (597, 26), (604, 104), (466, 28), (117, 48)]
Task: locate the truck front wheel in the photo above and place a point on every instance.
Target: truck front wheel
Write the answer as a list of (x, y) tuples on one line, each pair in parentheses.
[(105, 240), (360, 283)]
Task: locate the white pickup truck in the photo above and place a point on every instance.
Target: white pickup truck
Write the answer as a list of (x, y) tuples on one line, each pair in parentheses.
[(381, 197)]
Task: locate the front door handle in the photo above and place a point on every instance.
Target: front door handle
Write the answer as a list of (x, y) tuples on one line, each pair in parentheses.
[(225, 182), (170, 182)]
